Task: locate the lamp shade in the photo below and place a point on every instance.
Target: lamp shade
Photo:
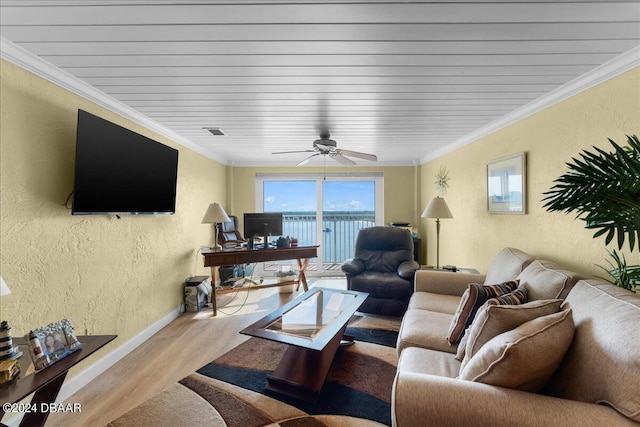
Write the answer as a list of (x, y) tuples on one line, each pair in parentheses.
[(437, 208), (4, 289), (215, 214)]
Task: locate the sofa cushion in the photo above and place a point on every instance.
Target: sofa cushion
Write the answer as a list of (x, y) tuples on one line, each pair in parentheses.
[(519, 296), (434, 302), (525, 357), (426, 329), (506, 265), (546, 280), (493, 320), (426, 361), (471, 300), (602, 365)]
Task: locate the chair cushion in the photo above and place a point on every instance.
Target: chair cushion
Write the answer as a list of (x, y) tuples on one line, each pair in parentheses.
[(525, 357), (471, 300)]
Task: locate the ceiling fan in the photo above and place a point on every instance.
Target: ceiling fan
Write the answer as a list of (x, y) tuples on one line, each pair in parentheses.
[(328, 147)]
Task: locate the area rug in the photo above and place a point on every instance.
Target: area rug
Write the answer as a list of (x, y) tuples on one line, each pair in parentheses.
[(230, 391)]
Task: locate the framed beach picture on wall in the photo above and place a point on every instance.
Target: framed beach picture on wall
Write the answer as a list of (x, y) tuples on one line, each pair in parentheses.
[(506, 185)]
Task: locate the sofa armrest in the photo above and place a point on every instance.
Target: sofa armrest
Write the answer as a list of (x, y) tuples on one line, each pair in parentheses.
[(419, 398), (445, 282), (407, 269), (352, 267)]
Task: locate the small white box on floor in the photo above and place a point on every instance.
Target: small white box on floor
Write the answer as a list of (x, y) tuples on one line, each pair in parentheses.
[(285, 274)]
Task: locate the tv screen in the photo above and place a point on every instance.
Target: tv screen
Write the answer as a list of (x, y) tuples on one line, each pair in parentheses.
[(119, 171), (262, 224)]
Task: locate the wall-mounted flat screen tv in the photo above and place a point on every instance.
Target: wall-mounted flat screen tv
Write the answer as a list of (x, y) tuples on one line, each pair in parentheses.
[(119, 171)]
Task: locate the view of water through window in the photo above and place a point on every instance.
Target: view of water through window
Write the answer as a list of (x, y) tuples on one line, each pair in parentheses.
[(347, 207)]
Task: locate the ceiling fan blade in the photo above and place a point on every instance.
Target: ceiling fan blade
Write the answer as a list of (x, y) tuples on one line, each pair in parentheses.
[(298, 151), (343, 160), (365, 156), (308, 159)]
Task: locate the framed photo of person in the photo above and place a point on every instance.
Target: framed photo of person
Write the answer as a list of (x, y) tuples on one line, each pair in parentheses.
[(51, 343)]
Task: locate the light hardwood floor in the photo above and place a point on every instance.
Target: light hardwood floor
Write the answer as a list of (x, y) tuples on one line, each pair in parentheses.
[(188, 343)]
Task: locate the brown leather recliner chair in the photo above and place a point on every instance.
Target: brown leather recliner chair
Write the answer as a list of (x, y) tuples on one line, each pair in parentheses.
[(384, 267)]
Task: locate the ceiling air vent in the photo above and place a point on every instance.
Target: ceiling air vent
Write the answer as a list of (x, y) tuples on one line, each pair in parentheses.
[(214, 131)]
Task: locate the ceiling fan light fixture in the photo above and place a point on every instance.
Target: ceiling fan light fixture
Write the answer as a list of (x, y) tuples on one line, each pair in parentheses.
[(328, 147), (216, 131)]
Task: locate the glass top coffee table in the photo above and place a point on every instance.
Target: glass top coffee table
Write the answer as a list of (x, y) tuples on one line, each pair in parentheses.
[(313, 325)]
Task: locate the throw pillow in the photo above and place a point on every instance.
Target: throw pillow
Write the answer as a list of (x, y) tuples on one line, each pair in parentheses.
[(493, 320), (472, 299), (462, 345), (524, 358), (519, 296)]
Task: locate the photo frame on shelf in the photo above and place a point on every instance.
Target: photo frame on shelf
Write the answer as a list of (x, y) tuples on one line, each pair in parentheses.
[(507, 185), (50, 343)]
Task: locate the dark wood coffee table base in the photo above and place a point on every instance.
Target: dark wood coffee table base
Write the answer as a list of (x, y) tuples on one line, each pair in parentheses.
[(302, 371)]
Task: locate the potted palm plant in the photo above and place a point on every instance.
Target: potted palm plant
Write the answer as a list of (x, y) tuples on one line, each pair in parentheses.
[(603, 188)]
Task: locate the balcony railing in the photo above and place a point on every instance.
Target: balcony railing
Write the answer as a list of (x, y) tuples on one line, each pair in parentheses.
[(339, 231)]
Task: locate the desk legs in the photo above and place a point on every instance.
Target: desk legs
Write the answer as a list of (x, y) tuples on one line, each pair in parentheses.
[(46, 394), (302, 279), (214, 302)]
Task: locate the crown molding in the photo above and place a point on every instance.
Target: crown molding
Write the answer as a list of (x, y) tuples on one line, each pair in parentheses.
[(15, 54), (606, 71), (317, 164)]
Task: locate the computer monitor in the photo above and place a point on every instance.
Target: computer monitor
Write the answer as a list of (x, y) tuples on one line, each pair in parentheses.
[(262, 224)]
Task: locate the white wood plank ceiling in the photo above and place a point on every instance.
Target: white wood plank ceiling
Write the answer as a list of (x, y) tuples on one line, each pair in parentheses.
[(399, 79)]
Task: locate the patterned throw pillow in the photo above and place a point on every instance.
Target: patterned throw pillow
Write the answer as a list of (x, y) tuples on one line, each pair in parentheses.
[(519, 296), (472, 299)]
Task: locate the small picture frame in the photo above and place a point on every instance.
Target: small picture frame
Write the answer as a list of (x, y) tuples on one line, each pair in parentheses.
[(507, 185), (51, 343)]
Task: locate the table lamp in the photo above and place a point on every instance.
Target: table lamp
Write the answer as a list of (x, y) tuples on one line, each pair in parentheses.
[(4, 289), (215, 215), (437, 208)]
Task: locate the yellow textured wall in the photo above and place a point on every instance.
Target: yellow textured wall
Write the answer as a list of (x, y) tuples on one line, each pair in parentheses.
[(399, 188), (550, 138), (107, 275)]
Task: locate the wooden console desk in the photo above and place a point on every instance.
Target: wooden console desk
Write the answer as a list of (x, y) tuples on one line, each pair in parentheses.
[(47, 382), (236, 256)]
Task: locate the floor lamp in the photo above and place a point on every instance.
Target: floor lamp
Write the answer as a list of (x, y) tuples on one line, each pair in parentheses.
[(437, 208), (215, 215)]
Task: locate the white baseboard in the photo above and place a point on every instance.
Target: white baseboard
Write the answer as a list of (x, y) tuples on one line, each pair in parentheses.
[(85, 377), (70, 387)]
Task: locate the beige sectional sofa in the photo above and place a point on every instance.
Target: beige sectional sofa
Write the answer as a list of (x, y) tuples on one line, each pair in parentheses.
[(595, 381)]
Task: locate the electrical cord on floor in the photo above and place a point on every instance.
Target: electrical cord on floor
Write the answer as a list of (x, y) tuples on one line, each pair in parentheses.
[(236, 294), (195, 264)]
